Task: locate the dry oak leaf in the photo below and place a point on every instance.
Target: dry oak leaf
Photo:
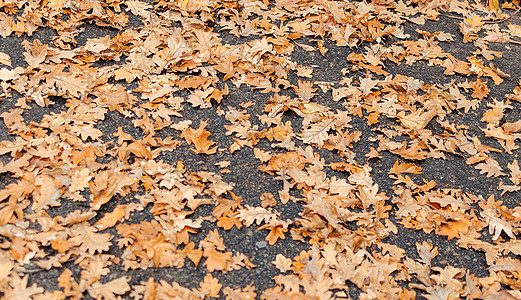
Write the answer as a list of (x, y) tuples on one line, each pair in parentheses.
[(407, 205), (6, 266), (276, 232), (512, 127), (139, 8), (145, 246), (245, 293), (199, 137), (405, 168), (515, 172), (138, 148), (496, 225), (110, 289), (317, 133), (47, 194), (340, 187), (493, 5), (80, 180), (173, 291), (87, 131), (250, 214), (417, 120), (213, 240), (146, 290), (449, 277), (85, 235), (17, 191), (6, 74), (55, 4), (107, 184), (263, 156), (490, 167), (226, 67), (5, 59), (426, 252), (210, 287), (268, 200), (276, 293), (193, 254), (61, 245), (13, 118), (494, 115), (70, 83), (227, 223), (282, 263), (69, 285), (444, 200), (367, 84), (422, 271), (455, 229), (280, 132), (17, 289), (305, 90), (216, 260), (362, 178), (118, 214), (480, 88), (226, 207), (35, 54)]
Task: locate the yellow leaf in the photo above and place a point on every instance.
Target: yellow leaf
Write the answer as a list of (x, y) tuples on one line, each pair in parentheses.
[(493, 5)]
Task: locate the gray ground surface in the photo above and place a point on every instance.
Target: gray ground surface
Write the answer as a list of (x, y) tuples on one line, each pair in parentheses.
[(251, 183)]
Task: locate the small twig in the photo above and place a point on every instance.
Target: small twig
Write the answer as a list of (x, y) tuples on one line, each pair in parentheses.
[(453, 17), (486, 22), (505, 19)]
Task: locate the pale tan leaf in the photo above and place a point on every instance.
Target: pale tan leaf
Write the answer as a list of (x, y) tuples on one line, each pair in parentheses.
[(110, 290)]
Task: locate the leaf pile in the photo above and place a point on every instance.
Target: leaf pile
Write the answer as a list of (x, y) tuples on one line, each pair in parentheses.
[(86, 196)]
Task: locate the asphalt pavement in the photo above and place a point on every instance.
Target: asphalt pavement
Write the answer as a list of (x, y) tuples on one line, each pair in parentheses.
[(242, 169)]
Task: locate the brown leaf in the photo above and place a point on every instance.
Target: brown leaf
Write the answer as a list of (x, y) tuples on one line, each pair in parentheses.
[(216, 260), (110, 289), (5, 59), (405, 168), (282, 263), (118, 214), (276, 232), (417, 120), (512, 127), (199, 137), (86, 237), (245, 293), (210, 287)]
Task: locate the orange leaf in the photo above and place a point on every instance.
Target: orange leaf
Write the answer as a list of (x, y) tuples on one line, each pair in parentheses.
[(217, 261), (405, 168), (199, 137), (452, 229), (210, 286), (69, 285), (228, 222), (225, 207), (194, 255), (275, 233), (110, 219), (61, 245)]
